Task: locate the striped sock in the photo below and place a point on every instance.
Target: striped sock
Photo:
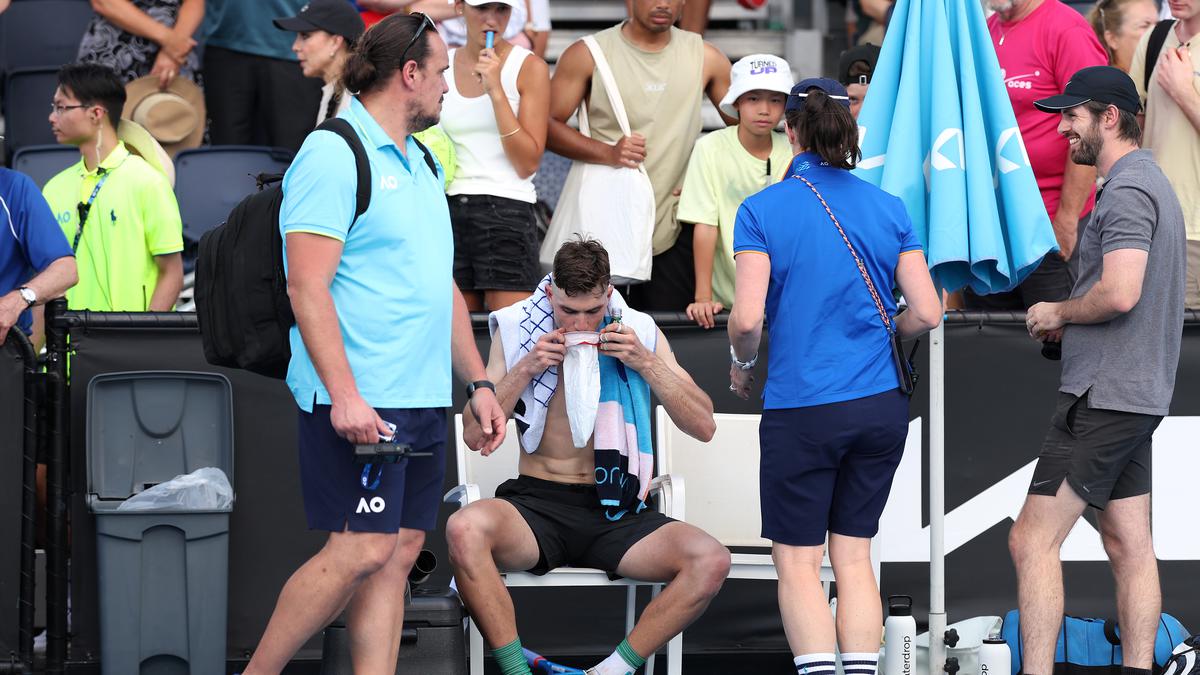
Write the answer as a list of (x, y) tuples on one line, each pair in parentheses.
[(511, 659), (860, 663), (623, 661), (820, 663)]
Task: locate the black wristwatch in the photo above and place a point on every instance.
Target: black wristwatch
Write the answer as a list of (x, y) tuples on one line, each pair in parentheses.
[(479, 384)]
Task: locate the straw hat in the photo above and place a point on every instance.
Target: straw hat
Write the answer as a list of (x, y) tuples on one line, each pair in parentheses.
[(139, 142), (174, 116)]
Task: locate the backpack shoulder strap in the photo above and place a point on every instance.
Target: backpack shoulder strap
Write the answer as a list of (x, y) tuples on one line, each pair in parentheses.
[(362, 198), (428, 156), (1154, 46)]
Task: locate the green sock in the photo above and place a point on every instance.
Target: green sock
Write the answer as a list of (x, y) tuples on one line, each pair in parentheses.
[(511, 659), (631, 657)]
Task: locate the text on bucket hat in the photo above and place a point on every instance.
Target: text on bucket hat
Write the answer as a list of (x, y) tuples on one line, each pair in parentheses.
[(757, 71)]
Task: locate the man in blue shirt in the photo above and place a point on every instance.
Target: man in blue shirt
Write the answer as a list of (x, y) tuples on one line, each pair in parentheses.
[(254, 89), (379, 326), (36, 262)]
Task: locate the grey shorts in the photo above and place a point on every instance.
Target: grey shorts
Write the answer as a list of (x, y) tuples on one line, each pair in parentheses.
[(1102, 454)]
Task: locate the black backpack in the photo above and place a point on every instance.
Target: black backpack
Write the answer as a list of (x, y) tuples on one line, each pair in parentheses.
[(1158, 37), (241, 290)]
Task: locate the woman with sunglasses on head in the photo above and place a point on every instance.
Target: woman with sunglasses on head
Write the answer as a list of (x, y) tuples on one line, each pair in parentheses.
[(326, 31), (818, 254), (1120, 25), (496, 113)]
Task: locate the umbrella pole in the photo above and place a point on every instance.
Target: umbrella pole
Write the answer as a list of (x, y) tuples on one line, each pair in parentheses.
[(937, 498)]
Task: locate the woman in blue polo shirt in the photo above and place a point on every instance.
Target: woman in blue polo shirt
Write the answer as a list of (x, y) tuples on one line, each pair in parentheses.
[(821, 250)]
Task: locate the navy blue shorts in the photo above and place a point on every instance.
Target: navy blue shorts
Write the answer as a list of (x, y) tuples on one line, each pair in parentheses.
[(408, 493), (829, 468)]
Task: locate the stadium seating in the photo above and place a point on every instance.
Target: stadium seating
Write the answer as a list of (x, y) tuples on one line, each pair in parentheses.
[(210, 181), (43, 162), (42, 33), (27, 96)]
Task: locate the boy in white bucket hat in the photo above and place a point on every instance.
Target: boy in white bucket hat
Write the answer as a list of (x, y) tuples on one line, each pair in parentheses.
[(729, 165)]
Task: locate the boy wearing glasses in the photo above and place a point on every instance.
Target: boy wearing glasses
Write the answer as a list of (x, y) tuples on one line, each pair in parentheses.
[(116, 208)]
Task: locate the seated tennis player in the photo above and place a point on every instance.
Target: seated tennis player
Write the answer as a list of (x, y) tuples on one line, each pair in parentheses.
[(584, 506)]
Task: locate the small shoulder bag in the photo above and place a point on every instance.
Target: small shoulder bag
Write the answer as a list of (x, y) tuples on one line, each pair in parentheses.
[(905, 370)]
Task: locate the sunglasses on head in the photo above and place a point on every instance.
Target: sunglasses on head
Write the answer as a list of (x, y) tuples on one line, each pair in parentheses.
[(426, 24)]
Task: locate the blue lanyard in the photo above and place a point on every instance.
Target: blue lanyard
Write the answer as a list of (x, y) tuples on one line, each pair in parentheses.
[(86, 209), (367, 483)]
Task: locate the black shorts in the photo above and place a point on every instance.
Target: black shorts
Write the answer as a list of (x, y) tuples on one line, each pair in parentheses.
[(570, 525), (495, 243), (1102, 454)]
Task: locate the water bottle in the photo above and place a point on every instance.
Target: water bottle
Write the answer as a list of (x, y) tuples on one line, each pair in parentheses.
[(994, 656), (900, 637)]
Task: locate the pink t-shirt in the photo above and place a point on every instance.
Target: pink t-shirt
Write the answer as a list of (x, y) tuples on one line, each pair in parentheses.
[(1038, 55)]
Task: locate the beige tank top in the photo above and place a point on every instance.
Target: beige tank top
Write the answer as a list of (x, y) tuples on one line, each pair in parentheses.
[(662, 92)]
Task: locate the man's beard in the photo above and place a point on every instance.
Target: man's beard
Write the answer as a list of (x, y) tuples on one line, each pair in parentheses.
[(1087, 150), (420, 120)]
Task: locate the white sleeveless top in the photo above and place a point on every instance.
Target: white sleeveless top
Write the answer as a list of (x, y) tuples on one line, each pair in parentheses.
[(483, 168)]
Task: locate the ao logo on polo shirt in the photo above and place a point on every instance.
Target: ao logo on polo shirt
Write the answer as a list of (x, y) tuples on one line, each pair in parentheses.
[(376, 505), (388, 183)]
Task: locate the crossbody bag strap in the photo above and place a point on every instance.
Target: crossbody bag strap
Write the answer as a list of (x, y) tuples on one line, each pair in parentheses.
[(610, 85), (862, 269)]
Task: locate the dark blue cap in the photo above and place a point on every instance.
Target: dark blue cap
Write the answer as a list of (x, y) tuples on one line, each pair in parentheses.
[(1103, 84), (832, 88)]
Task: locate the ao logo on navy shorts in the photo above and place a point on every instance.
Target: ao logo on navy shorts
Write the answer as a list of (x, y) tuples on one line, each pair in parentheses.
[(375, 505)]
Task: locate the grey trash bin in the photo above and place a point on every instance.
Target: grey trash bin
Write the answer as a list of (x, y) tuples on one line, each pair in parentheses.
[(163, 575)]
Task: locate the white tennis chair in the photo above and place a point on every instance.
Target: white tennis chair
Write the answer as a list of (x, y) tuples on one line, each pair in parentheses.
[(478, 478), (722, 491)]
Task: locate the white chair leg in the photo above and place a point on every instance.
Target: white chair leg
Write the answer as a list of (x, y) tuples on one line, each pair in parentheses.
[(476, 639), (675, 655), (825, 585), (630, 608)]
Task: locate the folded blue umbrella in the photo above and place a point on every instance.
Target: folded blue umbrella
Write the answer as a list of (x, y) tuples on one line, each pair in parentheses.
[(937, 130)]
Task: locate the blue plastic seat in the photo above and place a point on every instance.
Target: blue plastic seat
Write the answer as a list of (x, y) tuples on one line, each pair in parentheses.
[(210, 181), (550, 176), (27, 96), (43, 162), (42, 33)]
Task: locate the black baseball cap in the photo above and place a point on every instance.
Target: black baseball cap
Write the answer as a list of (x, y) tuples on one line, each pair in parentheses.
[(337, 17), (832, 88), (867, 53), (1103, 84)]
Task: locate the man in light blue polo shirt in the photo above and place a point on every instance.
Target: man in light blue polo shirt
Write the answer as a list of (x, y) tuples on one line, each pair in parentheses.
[(379, 326)]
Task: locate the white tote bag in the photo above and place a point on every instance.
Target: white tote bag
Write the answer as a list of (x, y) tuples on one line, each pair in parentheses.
[(613, 205)]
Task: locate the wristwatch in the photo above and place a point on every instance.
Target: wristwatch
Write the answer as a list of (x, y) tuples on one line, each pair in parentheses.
[(742, 365), (28, 295), (479, 384)]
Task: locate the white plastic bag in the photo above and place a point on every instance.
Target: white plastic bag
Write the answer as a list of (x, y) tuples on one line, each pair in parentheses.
[(204, 489), (614, 205), (581, 378)]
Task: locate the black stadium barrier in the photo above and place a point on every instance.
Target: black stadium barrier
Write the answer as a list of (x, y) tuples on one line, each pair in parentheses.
[(999, 396)]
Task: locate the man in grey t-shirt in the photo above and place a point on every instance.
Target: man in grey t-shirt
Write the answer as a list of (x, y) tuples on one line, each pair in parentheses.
[(1121, 332)]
